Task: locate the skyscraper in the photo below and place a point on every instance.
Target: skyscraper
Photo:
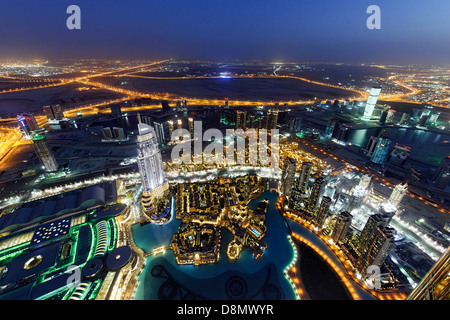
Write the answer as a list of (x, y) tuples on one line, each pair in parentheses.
[(442, 176), (341, 226), (191, 127), (305, 172), (159, 130), (288, 176), (53, 112), (381, 151), (165, 106), (322, 212), (44, 154), (151, 169), (315, 193), (27, 124), (171, 128), (371, 102), (374, 244), (241, 118), (397, 194)]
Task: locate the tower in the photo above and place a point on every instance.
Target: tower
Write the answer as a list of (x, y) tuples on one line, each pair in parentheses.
[(288, 176), (315, 193), (152, 173), (371, 102), (322, 211), (305, 172), (44, 154), (381, 150), (374, 244), (341, 226), (241, 119), (397, 194)]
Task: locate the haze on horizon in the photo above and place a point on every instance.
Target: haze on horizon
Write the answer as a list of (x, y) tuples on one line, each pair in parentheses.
[(288, 30)]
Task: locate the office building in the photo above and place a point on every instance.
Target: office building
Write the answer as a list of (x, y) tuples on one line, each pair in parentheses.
[(159, 130), (322, 212), (191, 127), (397, 194), (316, 192), (53, 112), (288, 176), (44, 153), (371, 102), (241, 118), (165, 106), (381, 150), (170, 125), (305, 173), (343, 222), (27, 124), (399, 154), (374, 244)]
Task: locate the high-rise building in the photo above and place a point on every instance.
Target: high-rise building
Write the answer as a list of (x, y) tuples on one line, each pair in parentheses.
[(226, 103), (404, 119), (303, 179), (27, 124), (343, 222), (159, 130), (151, 169), (179, 124), (365, 180), (315, 193), (271, 119), (357, 197), (371, 102), (171, 129), (288, 176), (116, 110), (441, 177), (371, 145), (381, 151), (295, 124), (435, 285), (53, 112), (387, 211), (44, 154), (397, 194), (322, 212), (241, 118), (374, 244)]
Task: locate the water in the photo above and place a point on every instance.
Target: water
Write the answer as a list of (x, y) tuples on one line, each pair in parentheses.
[(262, 278), (426, 146)]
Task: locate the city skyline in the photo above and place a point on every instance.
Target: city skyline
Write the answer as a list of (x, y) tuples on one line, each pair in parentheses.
[(324, 31)]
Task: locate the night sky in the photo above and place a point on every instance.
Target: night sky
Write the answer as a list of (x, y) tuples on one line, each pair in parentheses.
[(276, 30)]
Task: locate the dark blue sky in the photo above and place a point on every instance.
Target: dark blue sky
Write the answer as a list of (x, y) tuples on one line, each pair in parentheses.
[(295, 30)]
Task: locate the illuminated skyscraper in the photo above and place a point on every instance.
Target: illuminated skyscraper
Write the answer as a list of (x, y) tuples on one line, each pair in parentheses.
[(371, 102), (322, 212), (397, 194), (341, 227), (171, 128), (159, 130), (44, 154), (315, 193), (27, 124), (381, 151), (53, 112), (271, 120), (305, 173), (374, 244), (288, 176), (151, 170), (241, 118)]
